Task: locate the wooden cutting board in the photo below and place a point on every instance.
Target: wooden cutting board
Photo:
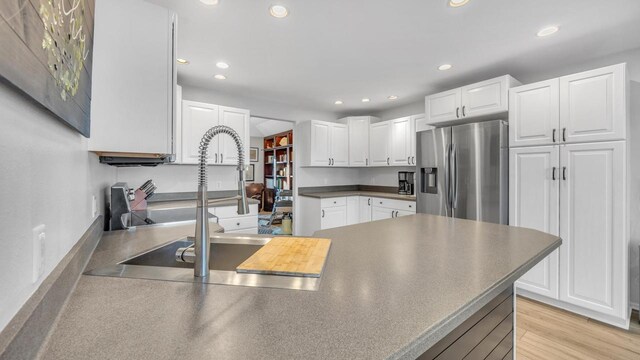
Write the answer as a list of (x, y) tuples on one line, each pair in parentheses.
[(289, 256)]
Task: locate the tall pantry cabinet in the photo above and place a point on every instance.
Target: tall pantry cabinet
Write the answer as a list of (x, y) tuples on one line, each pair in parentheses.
[(568, 176)]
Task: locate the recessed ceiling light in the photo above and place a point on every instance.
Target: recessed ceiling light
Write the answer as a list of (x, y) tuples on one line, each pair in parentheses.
[(220, 77), (222, 65), (549, 30), (444, 67), (209, 2), (366, 100), (182, 61), (278, 11), (338, 102), (392, 97), (458, 3)]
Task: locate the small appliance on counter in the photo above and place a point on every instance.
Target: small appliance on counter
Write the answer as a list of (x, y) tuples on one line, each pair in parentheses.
[(127, 204), (405, 182)]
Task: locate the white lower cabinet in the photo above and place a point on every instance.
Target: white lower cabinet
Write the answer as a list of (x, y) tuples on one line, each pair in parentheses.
[(592, 224), (232, 222), (327, 213), (534, 203), (578, 191)]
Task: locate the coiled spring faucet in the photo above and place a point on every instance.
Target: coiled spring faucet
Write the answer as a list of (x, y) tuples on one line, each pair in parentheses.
[(202, 242)]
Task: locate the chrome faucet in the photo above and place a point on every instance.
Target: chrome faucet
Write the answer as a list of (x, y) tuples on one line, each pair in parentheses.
[(202, 242)]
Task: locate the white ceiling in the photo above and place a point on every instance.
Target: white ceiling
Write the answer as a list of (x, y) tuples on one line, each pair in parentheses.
[(350, 49)]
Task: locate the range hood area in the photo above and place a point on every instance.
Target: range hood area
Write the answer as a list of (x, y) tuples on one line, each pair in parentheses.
[(133, 159)]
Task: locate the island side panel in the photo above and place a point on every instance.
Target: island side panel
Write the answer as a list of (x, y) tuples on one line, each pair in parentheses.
[(487, 334)]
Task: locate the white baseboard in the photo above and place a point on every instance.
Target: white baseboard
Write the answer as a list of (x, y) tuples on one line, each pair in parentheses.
[(634, 306)]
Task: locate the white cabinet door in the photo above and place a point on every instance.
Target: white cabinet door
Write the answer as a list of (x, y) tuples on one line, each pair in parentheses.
[(594, 271), (238, 120), (486, 97), (380, 213), (593, 105), (379, 143), (339, 142), (320, 143), (365, 209), (333, 217), (534, 203), (197, 118), (417, 121), (359, 141), (400, 213), (534, 114), (353, 210), (401, 141), (444, 106)]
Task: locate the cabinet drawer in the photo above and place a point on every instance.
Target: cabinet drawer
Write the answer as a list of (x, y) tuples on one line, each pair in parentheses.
[(232, 211), (331, 202), (404, 205), (243, 231), (239, 223)]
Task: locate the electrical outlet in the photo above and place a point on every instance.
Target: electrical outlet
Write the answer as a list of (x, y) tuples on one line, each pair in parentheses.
[(38, 252), (94, 207)]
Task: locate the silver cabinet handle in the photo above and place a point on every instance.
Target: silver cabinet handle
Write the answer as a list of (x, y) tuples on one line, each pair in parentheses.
[(393, 214), (329, 161), (463, 114), (216, 158), (553, 173), (564, 134), (323, 213), (458, 112), (369, 202), (553, 135), (387, 161), (409, 160), (221, 161), (564, 173), (413, 160), (410, 206), (366, 162)]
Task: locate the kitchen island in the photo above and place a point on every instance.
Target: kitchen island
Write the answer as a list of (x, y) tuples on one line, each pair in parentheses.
[(390, 289)]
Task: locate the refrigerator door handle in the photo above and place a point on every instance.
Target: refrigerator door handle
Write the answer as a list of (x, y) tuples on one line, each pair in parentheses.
[(447, 178), (454, 177)]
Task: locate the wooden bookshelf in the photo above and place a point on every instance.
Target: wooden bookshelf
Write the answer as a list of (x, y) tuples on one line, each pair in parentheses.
[(278, 161)]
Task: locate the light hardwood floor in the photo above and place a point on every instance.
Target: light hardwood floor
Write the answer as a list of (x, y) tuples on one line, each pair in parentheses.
[(545, 332)]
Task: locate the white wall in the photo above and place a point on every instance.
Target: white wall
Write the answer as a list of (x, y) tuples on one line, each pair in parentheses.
[(47, 176), (259, 166)]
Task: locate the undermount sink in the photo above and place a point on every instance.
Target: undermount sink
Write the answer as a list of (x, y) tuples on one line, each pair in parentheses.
[(227, 252)]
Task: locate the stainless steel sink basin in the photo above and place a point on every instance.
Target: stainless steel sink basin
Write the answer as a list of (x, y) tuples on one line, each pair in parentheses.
[(227, 252)]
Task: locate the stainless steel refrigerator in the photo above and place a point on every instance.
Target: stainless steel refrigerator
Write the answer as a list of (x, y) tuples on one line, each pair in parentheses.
[(463, 171)]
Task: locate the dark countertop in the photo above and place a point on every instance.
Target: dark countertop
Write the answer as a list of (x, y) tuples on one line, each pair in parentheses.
[(384, 195), (390, 289)]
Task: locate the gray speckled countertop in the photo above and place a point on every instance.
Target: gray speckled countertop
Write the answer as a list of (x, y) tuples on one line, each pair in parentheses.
[(384, 195), (390, 289)]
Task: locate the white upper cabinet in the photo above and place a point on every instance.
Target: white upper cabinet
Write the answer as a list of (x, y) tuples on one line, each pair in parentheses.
[(199, 117), (322, 143), (400, 141), (486, 98), (339, 145), (379, 146), (593, 105), (418, 123), (593, 227), (534, 203), (319, 143), (238, 120), (358, 140), (584, 107), (534, 114), (444, 106), (134, 79)]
